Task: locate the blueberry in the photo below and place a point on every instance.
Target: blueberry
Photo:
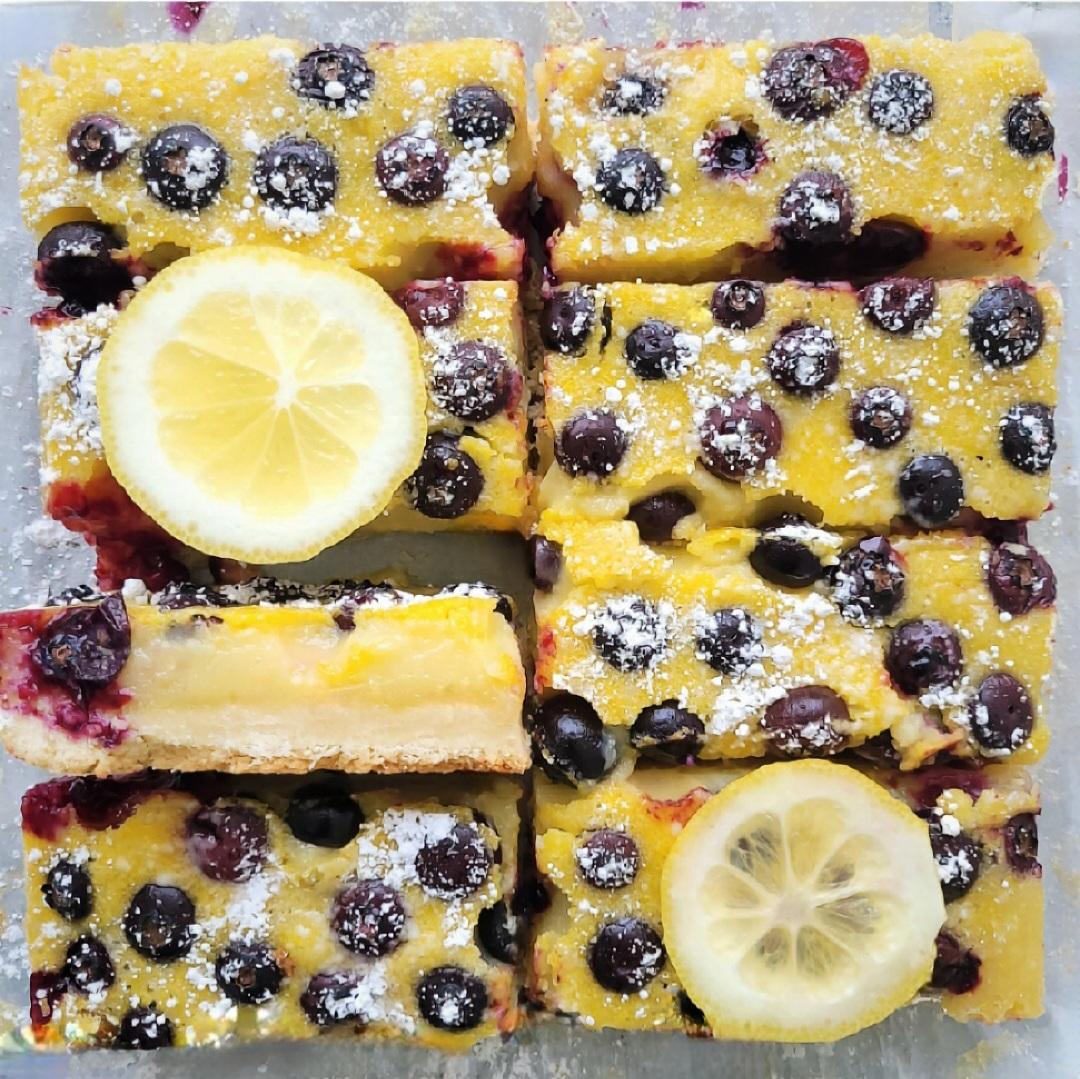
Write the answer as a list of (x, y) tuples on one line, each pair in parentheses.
[(782, 558), (159, 922), (739, 436), (333, 997), (227, 842), (68, 891), (667, 732), (1001, 714), (958, 857), (454, 866), (471, 381), (608, 859), (87, 965), (296, 173), (247, 972), (731, 151), (85, 647), (657, 515), (431, 303), (334, 76), (545, 562), (184, 167), (899, 102), (816, 209), (1026, 434), (47, 989), (1005, 325), (498, 933), (479, 114), (567, 319), (956, 968), (869, 581), (450, 998), (144, 1028), (738, 305), (368, 917), (632, 181), (813, 79), (412, 169), (1028, 129), (1021, 838), (591, 443), (75, 261), (803, 722), (1020, 578), (448, 482), (633, 95), (626, 955), (899, 304), (803, 359), (931, 490), (98, 143), (880, 416), (571, 740), (323, 817), (654, 350), (923, 655), (882, 246), (729, 640), (630, 634)]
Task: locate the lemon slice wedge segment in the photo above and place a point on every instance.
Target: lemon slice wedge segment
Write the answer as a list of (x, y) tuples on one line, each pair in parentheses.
[(259, 404), (801, 903)]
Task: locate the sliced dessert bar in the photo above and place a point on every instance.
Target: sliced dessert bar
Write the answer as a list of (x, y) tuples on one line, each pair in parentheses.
[(908, 397), (404, 160), (853, 158), (163, 915), (265, 677)]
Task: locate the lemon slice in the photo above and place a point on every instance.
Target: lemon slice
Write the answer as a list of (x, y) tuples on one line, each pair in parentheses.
[(801, 903), (259, 404)]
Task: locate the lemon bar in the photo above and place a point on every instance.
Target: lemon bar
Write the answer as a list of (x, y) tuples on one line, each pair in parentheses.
[(909, 397), (843, 158), (405, 161), (163, 914), (266, 678), (603, 852), (912, 649)]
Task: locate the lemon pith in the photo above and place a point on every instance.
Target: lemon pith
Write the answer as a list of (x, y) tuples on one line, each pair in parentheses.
[(801, 903), (260, 404)]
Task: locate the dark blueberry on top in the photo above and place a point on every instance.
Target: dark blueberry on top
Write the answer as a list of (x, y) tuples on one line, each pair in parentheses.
[(448, 482), (730, 150), (85, 647), (333, 997), (144, 1028), (1021, 838), (75, 261), (739, 436), (567, 318), (323, 817), (815, 208), (591, 443), (98, 143), (729, 640), (451, 998), (738, 305), (368, 917), (782, 557), (923, 655), (159, 921), (1005, 325), (1020, 578), (472, 381), (958, 857), (335, 76), (899, 304), (479, 115), (434, 303), (545, 562), (296, 173), (931, 490), (184, 167), (630, 634), (657, 515), (956, 968), (227, 842), (880, 416), (633, 95), (608, 859), (455, 865), (1028, 129), (247, 972), (654, 351), (87, 965), (412, 169), (813, 79), (68, 891), (803, 722), (667, 732), (632, 181), (1001, 714), (626, 955), (900, 101), (571, 739), (803, 359), (498, 933), (1026, 434)]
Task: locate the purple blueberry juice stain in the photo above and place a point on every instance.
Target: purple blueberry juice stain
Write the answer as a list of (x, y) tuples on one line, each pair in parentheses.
[(186, 15)]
